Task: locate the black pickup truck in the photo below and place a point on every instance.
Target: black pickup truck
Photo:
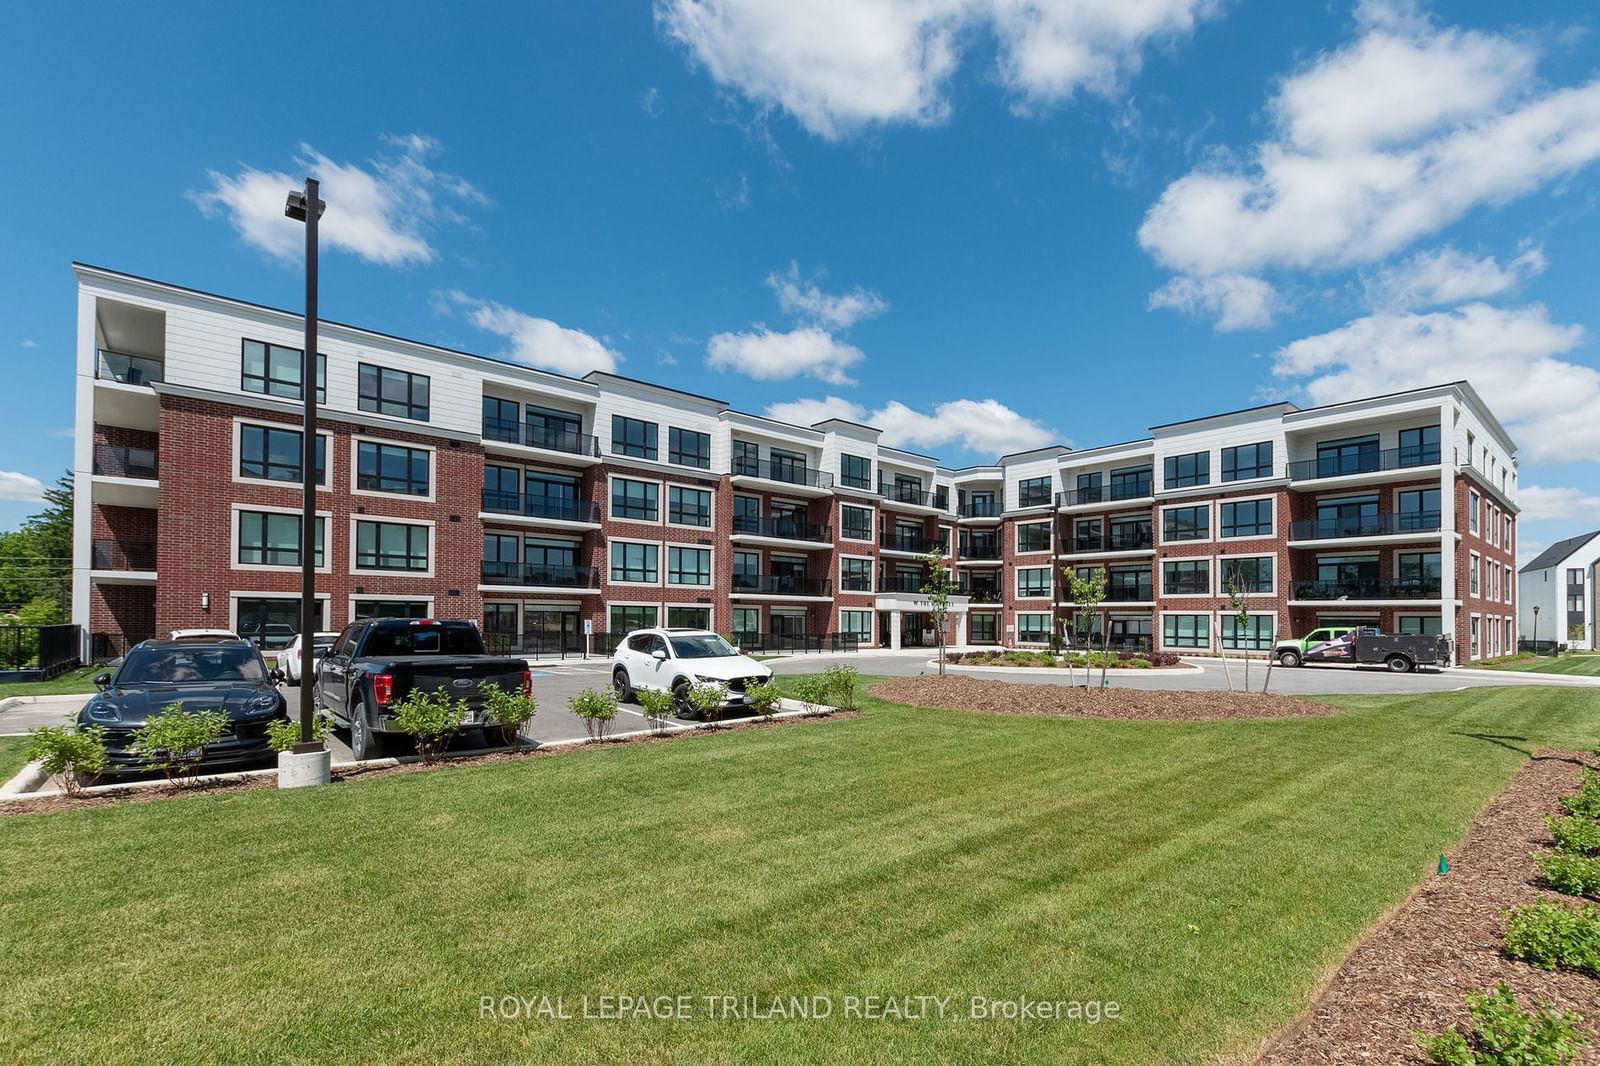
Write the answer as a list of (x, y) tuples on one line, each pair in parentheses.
[(378, 662)]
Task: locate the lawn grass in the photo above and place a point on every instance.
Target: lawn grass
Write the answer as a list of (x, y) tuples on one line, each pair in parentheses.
[(79, 680), (1203, 876), (12, 758), (1586, 664)]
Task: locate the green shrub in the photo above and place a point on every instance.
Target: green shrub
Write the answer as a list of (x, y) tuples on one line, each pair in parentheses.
[(284, 733), (763, 698), (1552, 935), (708, 698), (1503, 1034), (72, 754), (1576, 836), (813, 691), (842, 681), (511, 711), (658, 706), (1572, 875), (175, 740), (430, 718), (1585, 803), (598, 708)]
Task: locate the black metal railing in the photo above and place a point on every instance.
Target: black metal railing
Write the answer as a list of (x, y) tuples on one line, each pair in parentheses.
[(533, 435), (800, 642), (533, 506), (782, 584), (910, 494), (1369, 589), (541, 575), (980, 551), (991, 509), (855, 583), (103, 647), (920, 543), (1073, 497), (1186, 584), (979, 595), (783, 529), (128, 369), (788, 473), (1130, 594), (1113, 542), (111, 554), (1370, 461), (1379, 525), (119, 460), (41, 652), (897, 582), (549, 646)]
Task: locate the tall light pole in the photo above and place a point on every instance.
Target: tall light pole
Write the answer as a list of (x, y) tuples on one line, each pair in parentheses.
[(306, 206), (1535, 641)]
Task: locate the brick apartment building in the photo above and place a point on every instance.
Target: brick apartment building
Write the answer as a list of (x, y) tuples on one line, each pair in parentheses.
[(462, 486)]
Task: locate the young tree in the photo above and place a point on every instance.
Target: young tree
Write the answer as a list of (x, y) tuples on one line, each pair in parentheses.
[(1087, 595), (1241, 622), (938, 588)]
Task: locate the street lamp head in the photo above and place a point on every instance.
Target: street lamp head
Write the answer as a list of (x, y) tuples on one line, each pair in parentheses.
[(295, 208)]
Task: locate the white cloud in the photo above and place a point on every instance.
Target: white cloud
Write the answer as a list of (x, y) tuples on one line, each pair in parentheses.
[(840, 65), (838, 310), (648, 102), (21, 487), (1550, 406), (383, 212), (29, 342), (1236, 301), (1379, 144), (987, 427), (535, 341), (769, 356), (1446, 275), (1540, 502)]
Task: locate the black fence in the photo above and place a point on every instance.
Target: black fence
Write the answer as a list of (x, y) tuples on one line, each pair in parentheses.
[(39, 652), (552, 646), (801, 642), (103, 647), (1539, 647)]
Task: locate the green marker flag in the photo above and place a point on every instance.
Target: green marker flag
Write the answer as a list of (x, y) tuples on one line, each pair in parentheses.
[(1444, 864)]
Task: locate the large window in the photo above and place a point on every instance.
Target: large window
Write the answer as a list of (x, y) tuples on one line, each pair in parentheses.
[(689, 617), (273, 454), (746, 458), (855, 471), (635, 562), (1420, 446), (1033, 628), (857, 624), (502, 419), (273, 370), (1033, 491), (1186, 523), (1247, 461), (1254, 635), (688, 566), (1247, 575), (688, 507), (633, 436), (500, 557), (1033, 537), (1473, 507), (855, 523), (272, 538), (1186, 471), (362, 609), (1428, 624), (625, 619), (1186, 577), (855, 575), (392, 468), (391, 546), (689, 448), (1033, 581), (1132, 483), (397, 393), (1246, 518), (1185, 631), (636, 500), (269, 622), (1419, 570)]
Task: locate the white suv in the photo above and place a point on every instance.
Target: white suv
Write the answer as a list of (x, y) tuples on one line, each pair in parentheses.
[(674, 659)]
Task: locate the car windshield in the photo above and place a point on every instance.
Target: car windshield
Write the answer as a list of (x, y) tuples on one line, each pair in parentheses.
[(423, 640), (709, 646), (190, 665), (320, 647)]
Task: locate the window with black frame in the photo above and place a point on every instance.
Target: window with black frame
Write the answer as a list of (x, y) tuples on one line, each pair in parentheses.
[(396, 393), (1419, 446), (1132, 483), (501, 488), (560, 431), (855, 471), (633, 437), (1185, 631), (395, 468), (500, 563), (635, 562), (272, 454), (391, 546), (1246, 518), (1033, 491), (274, 370), (272, 538), (855, 575), (1252, 575), (1187, 471), (1356, 455), (1254, 635), (639, 501), (1186, 577), (746, 458), (502, 419), (1247, 461), (1033, 537), (855, 523), (687, 447), (688, 566), (688, 507), (1186, 523)]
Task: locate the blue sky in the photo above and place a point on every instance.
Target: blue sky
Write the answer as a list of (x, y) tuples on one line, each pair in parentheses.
[(981, 224)]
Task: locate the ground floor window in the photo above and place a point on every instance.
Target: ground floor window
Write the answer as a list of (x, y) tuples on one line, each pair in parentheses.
[(1185, 631), (857, 624), (389, 609), (270, 623), (1033, 628), (1130, 631), (546, 629), (1428, 624), (625, 619), (1474, 633), (746, 623), (689, 617), (1347, 621), (983, 627), (1255, 635)]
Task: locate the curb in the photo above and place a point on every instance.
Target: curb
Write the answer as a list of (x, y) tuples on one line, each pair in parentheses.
[(13, 702), (1061, 671), (28, 779)]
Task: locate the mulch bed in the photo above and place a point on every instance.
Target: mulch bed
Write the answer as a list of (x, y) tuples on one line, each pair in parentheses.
[(1152, 705), (1413, 969), (365, 773)]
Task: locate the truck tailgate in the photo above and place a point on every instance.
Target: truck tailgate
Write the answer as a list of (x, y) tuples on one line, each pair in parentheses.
[(459, 678)]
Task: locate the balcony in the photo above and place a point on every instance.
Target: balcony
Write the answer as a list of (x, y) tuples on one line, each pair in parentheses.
[(913, 496), (1112, 542), (979, 595), (990, 509), (1391, 524), (789, 529), (897, 582), (1089, 497), (909, 543), (117, 460), (855, 583), (532, 435), (128, 369), (977, 553), (1369, 461), (1130, 594), (1368, 589), (815, 588), (807, 480), (545, 508), (123, 562), (539, 575)]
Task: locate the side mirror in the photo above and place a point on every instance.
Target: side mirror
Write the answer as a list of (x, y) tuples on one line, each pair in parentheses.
[(659, 654), (276, 676), (102, 680)]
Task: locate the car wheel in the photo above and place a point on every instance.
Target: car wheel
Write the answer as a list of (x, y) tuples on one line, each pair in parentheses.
[(364, 743), (1399, 664), (680, 701), (291, 679), (619, 684), (1289, 658)]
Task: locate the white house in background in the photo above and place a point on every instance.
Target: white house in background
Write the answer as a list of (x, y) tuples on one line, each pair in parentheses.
[(1559, 585)]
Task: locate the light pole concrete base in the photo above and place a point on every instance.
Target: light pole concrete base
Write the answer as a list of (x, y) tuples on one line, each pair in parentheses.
[(299, 771)]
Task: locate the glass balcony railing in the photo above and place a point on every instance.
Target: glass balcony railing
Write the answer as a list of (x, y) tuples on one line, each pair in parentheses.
[(112, 554), (1114, 542), (540, 575), (979, 551), (1137, 490), (783, 529), (1369, 589), (986, 509), (118, 460), (532, 506), (909, 542), (911, 494), (128, 369), (782, 584), (1378, 525), (1363, 461), (786, 472), (533, 435)]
